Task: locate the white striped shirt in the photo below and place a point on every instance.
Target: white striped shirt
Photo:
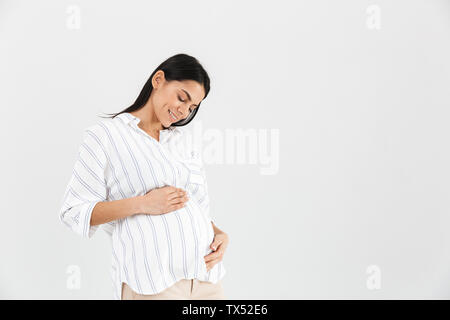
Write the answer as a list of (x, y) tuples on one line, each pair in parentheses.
[(119, 160)]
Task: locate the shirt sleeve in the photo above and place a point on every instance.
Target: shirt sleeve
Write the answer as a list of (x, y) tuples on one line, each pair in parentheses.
[(86, 187)]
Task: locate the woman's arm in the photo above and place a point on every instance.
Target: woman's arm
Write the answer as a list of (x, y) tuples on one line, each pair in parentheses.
[(85, 204), (156, 201), (107, 211)]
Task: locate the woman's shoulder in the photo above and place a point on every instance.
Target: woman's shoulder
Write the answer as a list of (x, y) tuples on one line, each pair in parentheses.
[(98, 129)]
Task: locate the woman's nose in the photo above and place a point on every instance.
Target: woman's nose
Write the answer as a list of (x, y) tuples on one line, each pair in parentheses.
[(183, 111)]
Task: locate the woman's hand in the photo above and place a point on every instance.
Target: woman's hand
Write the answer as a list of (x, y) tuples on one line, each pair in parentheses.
[(219, 245), (162, 200)]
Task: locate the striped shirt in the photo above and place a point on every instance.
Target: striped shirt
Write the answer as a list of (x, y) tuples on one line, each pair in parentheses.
[(118, 160)]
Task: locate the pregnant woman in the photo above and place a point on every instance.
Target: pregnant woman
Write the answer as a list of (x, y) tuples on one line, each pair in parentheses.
[(138, 177)]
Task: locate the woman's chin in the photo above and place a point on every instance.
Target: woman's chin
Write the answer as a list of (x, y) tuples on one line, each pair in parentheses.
[(166, 124)]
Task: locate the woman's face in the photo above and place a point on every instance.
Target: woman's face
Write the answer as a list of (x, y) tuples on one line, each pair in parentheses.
[(174, 100)]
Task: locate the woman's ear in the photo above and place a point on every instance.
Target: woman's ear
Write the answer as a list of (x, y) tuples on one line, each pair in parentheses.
[(158, 79)]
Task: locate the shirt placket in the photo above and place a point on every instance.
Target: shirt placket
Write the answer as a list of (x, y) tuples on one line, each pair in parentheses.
[(160, 146)]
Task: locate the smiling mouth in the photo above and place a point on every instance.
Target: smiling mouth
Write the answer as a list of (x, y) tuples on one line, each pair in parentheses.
[(173, 116)]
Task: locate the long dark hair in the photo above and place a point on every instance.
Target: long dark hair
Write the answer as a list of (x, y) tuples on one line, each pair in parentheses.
[(178, 67)]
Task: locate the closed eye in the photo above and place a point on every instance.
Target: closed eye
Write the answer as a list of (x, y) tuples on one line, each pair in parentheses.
[(179, 98)]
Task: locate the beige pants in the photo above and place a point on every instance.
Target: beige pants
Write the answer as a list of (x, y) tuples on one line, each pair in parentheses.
[(185, 289)]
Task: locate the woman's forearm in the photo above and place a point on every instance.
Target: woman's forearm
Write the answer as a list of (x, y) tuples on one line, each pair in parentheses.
[(107, 211)]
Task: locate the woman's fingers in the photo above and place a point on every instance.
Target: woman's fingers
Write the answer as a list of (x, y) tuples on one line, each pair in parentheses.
[(216, 243), (174, 207), (170, 189), (214, 257), (215, 254), (176, 194), (219, 246), (178, 199), (163, 200)]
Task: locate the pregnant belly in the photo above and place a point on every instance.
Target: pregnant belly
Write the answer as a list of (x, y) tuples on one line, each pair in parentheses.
[(161, 237)]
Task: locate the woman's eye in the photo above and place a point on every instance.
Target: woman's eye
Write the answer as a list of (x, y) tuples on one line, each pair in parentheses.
[(190, 110)]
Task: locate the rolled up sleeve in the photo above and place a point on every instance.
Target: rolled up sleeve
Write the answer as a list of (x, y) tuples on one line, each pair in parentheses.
[(87, 186)]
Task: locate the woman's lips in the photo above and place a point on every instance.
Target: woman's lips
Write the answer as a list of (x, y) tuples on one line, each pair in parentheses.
[(172, 115)]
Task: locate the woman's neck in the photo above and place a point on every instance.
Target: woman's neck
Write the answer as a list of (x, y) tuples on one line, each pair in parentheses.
[(149, 122)]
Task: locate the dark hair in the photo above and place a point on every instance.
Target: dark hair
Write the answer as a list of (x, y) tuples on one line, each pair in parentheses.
[(178, 67)]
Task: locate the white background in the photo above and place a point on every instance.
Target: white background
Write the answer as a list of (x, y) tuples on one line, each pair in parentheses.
[(362, 115)]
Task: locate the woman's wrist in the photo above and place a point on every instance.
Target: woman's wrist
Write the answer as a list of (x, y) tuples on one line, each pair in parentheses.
[(137, 205)]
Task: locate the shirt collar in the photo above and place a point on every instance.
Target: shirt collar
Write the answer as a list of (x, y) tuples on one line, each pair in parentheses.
[(128, 118), (133, 121)]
